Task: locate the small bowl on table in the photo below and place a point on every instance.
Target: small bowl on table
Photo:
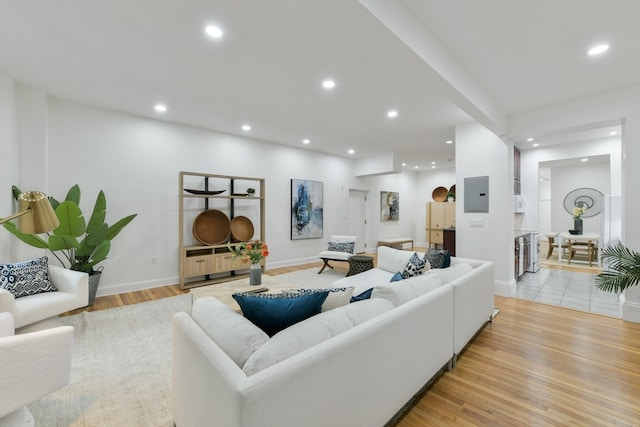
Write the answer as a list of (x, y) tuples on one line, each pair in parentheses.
[(574, 232)]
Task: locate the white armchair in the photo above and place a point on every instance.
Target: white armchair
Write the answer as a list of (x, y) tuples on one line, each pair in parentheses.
[(328, 255), (33, 365), (72, 292)]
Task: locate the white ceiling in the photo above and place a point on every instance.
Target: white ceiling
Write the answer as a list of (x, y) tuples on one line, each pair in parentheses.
[(267, 69)]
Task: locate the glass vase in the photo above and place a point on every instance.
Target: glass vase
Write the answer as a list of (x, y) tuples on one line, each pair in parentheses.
[(577, 225), (255, 274)]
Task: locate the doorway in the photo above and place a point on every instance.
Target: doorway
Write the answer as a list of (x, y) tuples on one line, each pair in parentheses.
[(357, 218)]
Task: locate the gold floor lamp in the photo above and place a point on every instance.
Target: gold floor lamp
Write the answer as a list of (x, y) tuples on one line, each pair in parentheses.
[(35, 214)]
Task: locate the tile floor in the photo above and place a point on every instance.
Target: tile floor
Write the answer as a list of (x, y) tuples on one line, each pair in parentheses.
[(569, 289)]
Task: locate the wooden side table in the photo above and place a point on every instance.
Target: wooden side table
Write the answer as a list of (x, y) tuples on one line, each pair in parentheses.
[(396, 242), (359, 264)]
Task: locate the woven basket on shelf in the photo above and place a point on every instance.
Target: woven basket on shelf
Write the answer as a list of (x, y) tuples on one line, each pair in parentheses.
[(241, 229), (212, 227), (439, 194)]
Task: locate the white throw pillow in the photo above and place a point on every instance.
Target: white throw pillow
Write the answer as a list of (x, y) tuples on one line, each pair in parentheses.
[(406, 290), (313, 331), (393, 260), (231, 331)]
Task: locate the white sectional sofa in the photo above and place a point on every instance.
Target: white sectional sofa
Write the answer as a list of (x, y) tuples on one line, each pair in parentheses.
[(355, 365)]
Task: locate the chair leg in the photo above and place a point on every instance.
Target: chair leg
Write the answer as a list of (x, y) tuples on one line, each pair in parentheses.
[(550, 250), (326, 264)]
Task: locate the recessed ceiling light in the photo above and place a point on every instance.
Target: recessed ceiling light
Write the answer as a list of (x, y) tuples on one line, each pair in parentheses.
[(392, 113), (598, 49), (433, 163), (433, 167), (160, 108), (328, 84), (584, 160), (213, 31), (535, 144), (415, 167), (404, 164), (306, 141), (529, 139), (246, 128), (351, 151), (613, 133), (449, 142)]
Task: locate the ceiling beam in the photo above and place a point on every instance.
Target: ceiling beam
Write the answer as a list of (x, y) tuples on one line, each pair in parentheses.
[(461, 86)]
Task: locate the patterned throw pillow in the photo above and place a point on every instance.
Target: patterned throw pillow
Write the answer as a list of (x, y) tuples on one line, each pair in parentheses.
[(438, 258), (414, 267), (26, 278), (341, 247)]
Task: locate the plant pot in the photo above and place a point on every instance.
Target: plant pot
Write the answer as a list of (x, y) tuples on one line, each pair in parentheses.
[(94, 281), (255, 275), (577, 225)]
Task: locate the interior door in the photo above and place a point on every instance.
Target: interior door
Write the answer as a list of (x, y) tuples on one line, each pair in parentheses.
[(358, 218)]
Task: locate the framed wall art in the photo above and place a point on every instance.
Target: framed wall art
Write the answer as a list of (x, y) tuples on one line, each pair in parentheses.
[(306, 209), (389, 206)]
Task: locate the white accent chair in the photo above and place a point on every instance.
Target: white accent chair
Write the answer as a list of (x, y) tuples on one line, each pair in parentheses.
[(33, 365), (40, 311), (327, 256)]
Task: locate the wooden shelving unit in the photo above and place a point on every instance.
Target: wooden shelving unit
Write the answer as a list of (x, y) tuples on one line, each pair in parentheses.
[(440, 215), (200, 264)]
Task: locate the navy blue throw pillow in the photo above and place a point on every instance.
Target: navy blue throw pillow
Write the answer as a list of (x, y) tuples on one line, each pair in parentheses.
[(396, 277), (363, 296), (275, 312)]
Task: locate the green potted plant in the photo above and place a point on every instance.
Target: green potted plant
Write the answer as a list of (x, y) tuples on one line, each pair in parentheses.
[(76, 244), (624, 269)]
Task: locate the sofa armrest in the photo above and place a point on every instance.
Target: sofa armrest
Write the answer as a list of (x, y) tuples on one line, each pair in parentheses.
[(473, 303), (33, 365), (206, 383), (70, 281), (7, 326), (7, 301)]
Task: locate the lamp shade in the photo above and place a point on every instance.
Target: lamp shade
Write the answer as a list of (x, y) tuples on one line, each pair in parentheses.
[(41, 217)]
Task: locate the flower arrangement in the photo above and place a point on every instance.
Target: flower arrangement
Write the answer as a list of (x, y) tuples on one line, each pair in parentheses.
[(254, 251), (578, 211)]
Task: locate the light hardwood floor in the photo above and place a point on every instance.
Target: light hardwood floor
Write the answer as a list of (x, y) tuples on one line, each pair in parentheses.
[(535, 364)]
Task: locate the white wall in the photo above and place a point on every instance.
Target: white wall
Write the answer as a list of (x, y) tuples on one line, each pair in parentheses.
[(405, 184), (565, 179), (481, 153), (8, 157), (136, 162)]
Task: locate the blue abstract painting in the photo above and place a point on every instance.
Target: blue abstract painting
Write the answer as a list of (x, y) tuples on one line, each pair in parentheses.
[(306, 209)]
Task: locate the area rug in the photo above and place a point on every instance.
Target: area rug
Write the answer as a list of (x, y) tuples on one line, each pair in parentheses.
[(121, 369)]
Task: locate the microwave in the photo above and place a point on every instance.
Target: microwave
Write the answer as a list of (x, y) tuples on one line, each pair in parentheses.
[(519, 204)]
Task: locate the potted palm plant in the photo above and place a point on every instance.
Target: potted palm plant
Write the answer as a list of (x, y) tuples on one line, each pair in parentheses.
[(77, 245), (624, 269)]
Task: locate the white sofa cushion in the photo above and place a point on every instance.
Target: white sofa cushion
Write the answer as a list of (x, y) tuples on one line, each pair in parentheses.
[(234, 334), (405, 290), (313, 331), (393, 260), (449, 274)]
